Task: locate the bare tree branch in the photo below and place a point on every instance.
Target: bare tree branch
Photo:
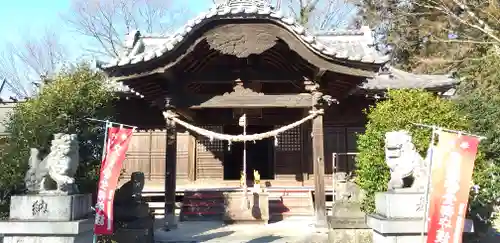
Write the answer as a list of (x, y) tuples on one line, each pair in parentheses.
[(24, 63), (470, 17), (322, 15), (106, 23)]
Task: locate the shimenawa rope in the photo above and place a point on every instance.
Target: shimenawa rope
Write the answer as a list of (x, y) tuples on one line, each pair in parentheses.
[(240, 138)]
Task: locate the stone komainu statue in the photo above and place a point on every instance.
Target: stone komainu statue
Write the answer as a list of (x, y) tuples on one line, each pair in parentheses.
[(54, 173), (405, 162)]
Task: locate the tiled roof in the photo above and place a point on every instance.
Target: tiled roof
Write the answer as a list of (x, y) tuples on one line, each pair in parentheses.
[(394, 78), (353, 45)]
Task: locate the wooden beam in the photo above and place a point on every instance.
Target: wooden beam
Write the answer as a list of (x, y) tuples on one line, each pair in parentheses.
[(214, 81), (262, 75), (170, 170), (249, 101)]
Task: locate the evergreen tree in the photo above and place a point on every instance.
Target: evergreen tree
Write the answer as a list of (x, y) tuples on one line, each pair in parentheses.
[(61, 107), (429, 36)]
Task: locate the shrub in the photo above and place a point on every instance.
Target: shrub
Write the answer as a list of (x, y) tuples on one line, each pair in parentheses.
[(398, 111), (478, 97), (62, 106)]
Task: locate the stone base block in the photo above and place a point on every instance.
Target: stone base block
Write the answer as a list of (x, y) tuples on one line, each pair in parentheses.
[(347, 223), (255, 211), (380, 238), (82, 238), (401, 230), (350, 236), (347, 215), (400, 204), (126, 212), (404, 226), (79, 231), (39, 207)]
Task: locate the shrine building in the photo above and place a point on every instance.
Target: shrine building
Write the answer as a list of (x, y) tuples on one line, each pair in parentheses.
[(245, 57)]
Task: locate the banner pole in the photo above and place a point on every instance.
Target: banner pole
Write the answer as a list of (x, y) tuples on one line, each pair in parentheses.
[(243, 123), (105, 147), (110, 122), (104, 150), (427, 187), (448, 130)]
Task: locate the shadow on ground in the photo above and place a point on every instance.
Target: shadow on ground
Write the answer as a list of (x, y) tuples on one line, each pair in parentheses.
[(190, 232), (263, 239), (212, 231)]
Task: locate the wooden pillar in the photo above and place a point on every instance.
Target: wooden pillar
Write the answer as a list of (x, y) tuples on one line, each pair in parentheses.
[(305, 150), (191, 157), (170, 169), (318, 156)]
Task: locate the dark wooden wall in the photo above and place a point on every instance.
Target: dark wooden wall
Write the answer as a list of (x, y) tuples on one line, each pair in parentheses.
[(200, 159)]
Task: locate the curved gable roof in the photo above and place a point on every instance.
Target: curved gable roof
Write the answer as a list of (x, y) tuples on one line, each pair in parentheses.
[(348, 45)]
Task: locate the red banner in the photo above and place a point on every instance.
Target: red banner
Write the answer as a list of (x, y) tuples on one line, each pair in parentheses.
[(116, 147), (452, 165)]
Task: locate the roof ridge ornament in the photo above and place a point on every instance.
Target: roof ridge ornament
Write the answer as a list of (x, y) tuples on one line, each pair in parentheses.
[(244, 3), (131, 38)]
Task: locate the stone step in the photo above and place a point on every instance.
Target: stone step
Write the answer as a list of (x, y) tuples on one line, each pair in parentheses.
[(202, 206), (155, 205), (273, 206), (160, 213), (288, 214), (290, 210), (304, 200), (210, 205), (281, 194), (292, 204), (281, 216)]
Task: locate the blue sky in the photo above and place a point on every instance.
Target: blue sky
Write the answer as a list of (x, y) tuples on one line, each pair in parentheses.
[(21, 18), (24, 18)]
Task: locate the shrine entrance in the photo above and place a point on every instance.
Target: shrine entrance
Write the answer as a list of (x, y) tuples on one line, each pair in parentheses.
[(259, 154)]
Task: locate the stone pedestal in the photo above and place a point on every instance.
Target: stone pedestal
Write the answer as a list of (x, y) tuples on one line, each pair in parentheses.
[(399, 217), (135, 224), (347, 224), (256, 210), (48, 218)]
